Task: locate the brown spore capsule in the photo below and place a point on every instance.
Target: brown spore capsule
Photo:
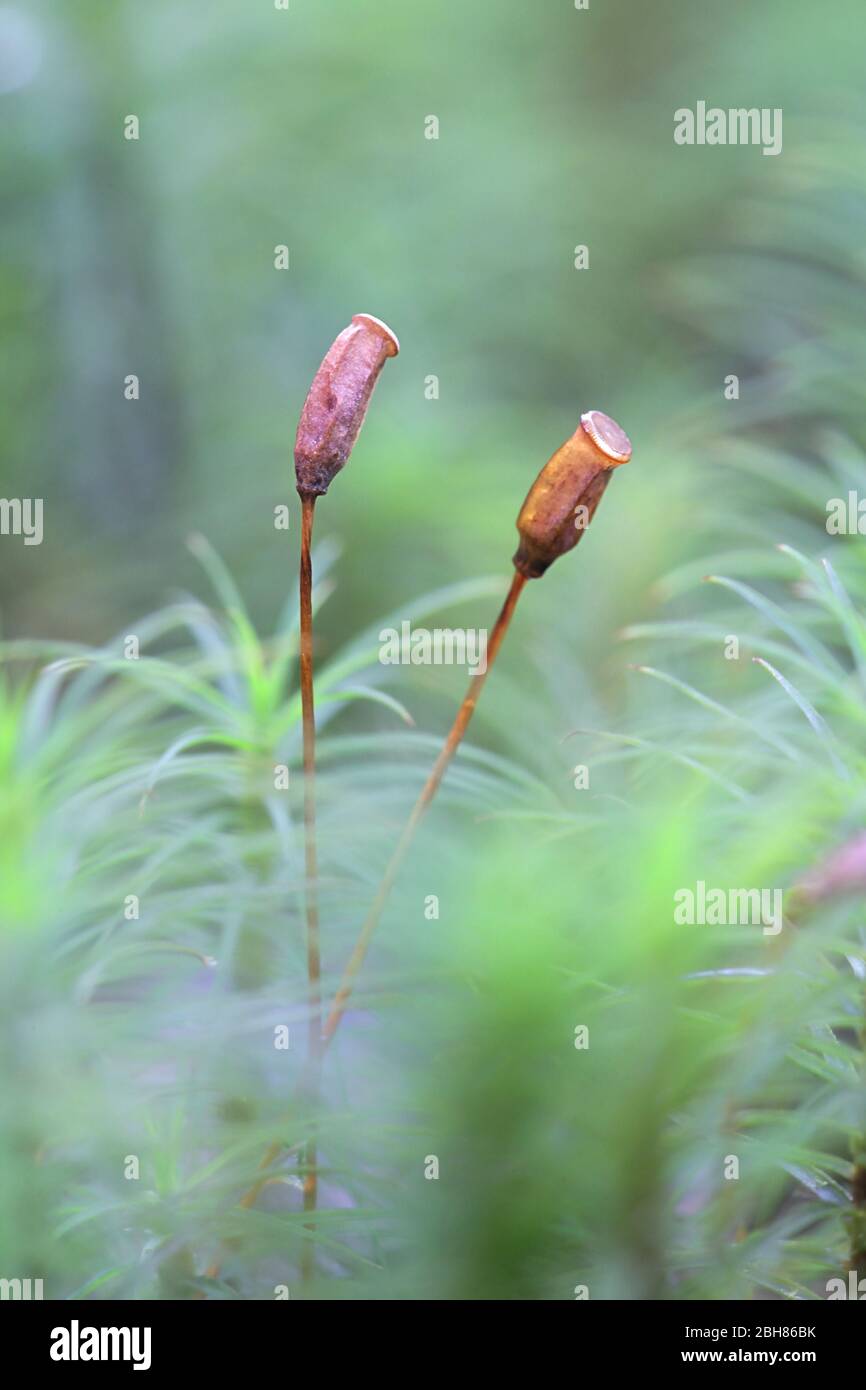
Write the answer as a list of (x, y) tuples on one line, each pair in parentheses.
[(337, 401), (563, 499)]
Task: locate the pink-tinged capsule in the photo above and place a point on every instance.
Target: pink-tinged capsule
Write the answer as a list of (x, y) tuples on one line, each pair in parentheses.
[(337, 402), (563, 499)]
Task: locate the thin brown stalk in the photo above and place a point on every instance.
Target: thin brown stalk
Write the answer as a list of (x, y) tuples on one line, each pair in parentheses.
[(449, 748), (311, 904), (311, 869)]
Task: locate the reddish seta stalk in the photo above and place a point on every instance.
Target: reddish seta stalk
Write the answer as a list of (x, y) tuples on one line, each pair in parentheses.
[(311, 871)]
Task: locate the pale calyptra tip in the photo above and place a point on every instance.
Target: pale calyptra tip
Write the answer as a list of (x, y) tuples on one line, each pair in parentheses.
[(337, 401)]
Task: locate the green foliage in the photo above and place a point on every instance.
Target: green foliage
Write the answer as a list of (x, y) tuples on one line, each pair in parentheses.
[(151, 871), (151, 1034)]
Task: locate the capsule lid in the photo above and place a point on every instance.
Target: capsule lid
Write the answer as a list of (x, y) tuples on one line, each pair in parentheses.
[(606, 435)]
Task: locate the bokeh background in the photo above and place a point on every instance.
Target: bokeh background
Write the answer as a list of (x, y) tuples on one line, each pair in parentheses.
[(306, 128)]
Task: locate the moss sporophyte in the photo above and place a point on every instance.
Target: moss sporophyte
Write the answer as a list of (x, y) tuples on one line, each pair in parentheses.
[(557, 511), (555, 514), (330, 423)]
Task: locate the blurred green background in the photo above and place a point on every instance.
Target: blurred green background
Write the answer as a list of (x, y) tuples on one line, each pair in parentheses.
[(306, 128)]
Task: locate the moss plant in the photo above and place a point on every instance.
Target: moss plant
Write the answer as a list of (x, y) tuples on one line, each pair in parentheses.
[(555, 514), (558, 508)]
